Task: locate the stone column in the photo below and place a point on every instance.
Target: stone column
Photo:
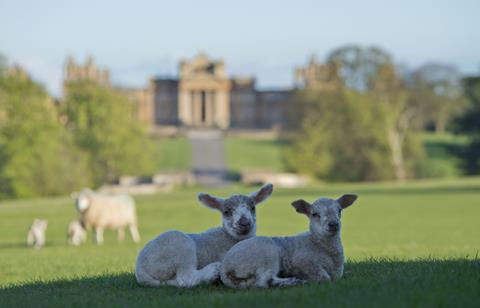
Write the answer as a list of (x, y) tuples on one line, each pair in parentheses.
[(193, 108), (208, 109), (214, 108), (197, 108), (223, 109), (184, 107)]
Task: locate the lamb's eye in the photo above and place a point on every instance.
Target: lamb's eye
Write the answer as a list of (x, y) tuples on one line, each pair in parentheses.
[(252, 209), (227, 212), (316, 215)]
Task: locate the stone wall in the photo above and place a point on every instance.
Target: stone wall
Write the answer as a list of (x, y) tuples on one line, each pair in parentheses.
[(165, 98)]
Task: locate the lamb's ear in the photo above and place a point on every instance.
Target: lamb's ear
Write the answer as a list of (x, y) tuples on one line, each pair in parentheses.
[(262, 194), (211, 201), (302, 206), (347, 200)]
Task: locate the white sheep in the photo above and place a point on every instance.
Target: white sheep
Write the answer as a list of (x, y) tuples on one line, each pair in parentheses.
[(100, 212), (185, 260), (76, 234), (36, 233), (315, 256)]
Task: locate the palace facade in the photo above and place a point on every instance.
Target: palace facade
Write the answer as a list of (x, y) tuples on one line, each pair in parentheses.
[(204, 96)]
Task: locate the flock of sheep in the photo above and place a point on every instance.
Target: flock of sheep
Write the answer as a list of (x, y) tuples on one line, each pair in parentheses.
[(230, 253), (97, 212)]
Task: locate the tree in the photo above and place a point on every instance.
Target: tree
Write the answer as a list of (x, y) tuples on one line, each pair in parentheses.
[(362, 131), (103, 124), (37, 156), (3, 64), (401, 117), (438, 88), (340, 138), (469, 123), (359, 66)]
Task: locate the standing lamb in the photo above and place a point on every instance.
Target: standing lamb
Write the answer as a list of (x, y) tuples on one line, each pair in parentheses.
[(185, 260), (100, 212), (76, 234), (36, 233), (316, 255)]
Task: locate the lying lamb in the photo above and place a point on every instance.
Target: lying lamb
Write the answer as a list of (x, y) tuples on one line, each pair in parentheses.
[(316, 255), (102, 212), (76, 234), (186, 260), (36, 233)]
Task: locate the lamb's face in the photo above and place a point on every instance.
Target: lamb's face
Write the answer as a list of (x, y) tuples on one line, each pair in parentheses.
[(76, 233), (40, 225), (324, 214), (238, 216), (238, 211), (325, 217)]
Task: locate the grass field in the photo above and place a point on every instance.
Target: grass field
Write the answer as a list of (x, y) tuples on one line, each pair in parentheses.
[(406, 245), (251, 154), (443, 153), (173, 154)]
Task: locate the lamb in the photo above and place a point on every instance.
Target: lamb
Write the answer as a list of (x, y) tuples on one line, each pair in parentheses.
[(314, 256), (76, 234), (100, 212), (36, 233), (178, 259)]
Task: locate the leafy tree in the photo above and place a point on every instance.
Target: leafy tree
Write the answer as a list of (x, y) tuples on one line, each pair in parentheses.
[(358, 65), (403, 116), (363, 131), (103, 124), (3, 63), (341, 138), (469, 123), (438, 88), (37, 156)]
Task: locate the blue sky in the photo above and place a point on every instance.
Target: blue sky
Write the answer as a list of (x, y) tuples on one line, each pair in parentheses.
[(139, 39)]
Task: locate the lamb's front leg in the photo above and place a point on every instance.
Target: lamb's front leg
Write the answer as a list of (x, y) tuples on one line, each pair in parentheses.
[(285, 282), (318, 275), (193, 277)]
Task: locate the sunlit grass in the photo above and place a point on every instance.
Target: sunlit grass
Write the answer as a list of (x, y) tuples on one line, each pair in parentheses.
[(414, 225)]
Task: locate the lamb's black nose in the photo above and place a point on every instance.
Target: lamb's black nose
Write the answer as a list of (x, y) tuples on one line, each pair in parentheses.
[(244, 222), (333, 226)]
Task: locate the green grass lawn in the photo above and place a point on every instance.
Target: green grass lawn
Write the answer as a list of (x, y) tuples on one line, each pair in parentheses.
[(251, 154), (173, 154), (406, 245), (443, 153)]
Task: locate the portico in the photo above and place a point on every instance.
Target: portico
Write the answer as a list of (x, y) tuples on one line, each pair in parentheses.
[(204, 99)]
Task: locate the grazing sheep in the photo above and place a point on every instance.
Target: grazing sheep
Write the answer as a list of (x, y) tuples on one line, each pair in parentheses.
[(186, 260), (316, 255), (100, 212), (36, 233), (76, 233)]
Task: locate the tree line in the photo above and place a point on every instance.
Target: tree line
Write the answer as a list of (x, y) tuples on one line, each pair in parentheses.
[(367, 127), (48, 147), (364, 129)]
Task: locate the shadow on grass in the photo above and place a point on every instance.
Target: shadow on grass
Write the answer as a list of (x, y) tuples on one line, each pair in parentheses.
[(374, 282), (17, 245)]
